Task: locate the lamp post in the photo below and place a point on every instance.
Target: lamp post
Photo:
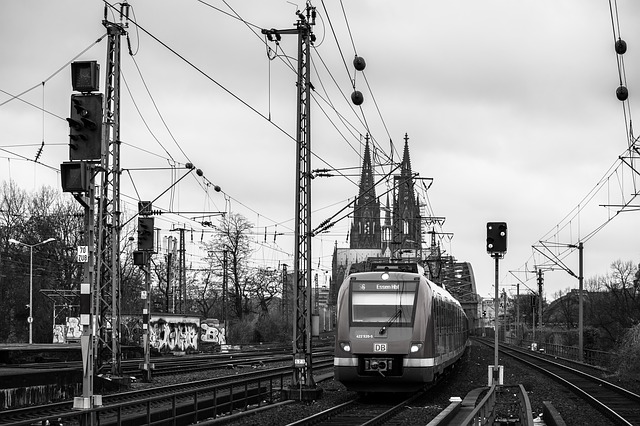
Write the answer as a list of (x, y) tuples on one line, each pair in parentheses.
[(31, 246)]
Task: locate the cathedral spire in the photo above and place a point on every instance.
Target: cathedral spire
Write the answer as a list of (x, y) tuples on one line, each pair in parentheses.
[(406, 213), (406, 160), (366, 176), (387, 230), (365, 230)]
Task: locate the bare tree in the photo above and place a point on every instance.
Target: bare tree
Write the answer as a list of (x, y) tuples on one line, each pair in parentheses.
[(131, 278), (264, 285), (30, 219), (13, 208), (162, 292), (623, 289), (566, 307), (205, 294), (232, 237)]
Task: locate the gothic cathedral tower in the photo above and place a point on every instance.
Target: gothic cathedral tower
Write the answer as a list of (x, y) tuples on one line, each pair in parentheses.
[(407, 228), (366, 232)]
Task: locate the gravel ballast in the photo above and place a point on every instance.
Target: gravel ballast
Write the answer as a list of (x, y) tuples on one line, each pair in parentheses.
[(471, 373)]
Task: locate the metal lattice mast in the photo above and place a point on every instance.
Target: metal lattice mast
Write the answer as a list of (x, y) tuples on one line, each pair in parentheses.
[(183, 273), (302, 257), (109, 225), (303, 384)]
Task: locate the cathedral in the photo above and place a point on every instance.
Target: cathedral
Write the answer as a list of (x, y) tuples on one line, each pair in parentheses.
[(397, 234)]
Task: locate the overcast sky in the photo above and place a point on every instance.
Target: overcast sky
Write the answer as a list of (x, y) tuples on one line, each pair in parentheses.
[(509, 106)]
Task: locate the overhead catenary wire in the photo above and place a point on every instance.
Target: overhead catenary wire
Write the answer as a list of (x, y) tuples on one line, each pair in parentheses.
[(63, 67), (205, 75), (215, 81), (144, 121), (622, 75), (252, 27), (168, 151), (630, 154), (352, 79)]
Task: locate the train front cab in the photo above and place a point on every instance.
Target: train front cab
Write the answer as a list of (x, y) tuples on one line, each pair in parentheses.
[(382, 336)]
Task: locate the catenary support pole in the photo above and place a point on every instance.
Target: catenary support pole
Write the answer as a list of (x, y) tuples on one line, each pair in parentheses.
[(496, 306), (580, 303)]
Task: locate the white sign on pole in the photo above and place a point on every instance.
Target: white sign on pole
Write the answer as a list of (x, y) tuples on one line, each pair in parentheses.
[(83, 254)]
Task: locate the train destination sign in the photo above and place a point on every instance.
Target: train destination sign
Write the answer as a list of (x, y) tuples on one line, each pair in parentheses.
[(384, 286)]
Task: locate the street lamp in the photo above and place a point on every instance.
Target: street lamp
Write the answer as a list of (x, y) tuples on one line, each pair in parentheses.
[(31, 246)]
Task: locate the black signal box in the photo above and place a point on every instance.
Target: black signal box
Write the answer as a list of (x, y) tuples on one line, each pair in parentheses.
[(496, 237)]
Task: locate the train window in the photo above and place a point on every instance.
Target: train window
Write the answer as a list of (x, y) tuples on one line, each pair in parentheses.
[(382, 307)]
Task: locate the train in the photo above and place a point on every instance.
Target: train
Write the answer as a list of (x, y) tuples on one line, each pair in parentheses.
[(396, 331)]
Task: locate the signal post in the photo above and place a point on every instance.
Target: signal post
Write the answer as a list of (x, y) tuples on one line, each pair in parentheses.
[(78, 178), (142, 258), (93, 138), (496, 247)]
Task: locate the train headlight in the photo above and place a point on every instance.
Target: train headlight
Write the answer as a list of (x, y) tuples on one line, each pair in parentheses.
[(416, 346), (345, 346), (384, 276)]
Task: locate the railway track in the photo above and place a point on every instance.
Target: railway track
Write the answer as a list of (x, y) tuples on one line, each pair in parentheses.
[(375, 410), (175, 365), (618, 404), (208, 398)]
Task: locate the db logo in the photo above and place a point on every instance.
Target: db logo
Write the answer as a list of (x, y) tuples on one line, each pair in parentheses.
[(379, 347)]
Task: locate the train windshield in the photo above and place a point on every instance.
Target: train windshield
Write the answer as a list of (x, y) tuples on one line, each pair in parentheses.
[(389, 303)]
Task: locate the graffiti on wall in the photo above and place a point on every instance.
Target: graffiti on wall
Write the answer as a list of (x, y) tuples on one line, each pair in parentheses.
[(212, 332), (131, 330), (74, 329), (169, 334), (59, 333)]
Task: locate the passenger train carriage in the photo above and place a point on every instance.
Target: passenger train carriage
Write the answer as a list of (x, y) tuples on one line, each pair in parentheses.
[(396, 330)]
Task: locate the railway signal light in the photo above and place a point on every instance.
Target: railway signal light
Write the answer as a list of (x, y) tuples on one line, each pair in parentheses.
[(75, 176), (496, 237), (85, 127), (140, 258), (145, 234), (85, 76), (145, 208)]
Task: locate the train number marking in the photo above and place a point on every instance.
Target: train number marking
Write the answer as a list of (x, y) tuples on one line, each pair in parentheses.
[(379, 347)]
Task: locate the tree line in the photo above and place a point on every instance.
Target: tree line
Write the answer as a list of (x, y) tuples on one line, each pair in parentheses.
[(252, 301), (611, 305)]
